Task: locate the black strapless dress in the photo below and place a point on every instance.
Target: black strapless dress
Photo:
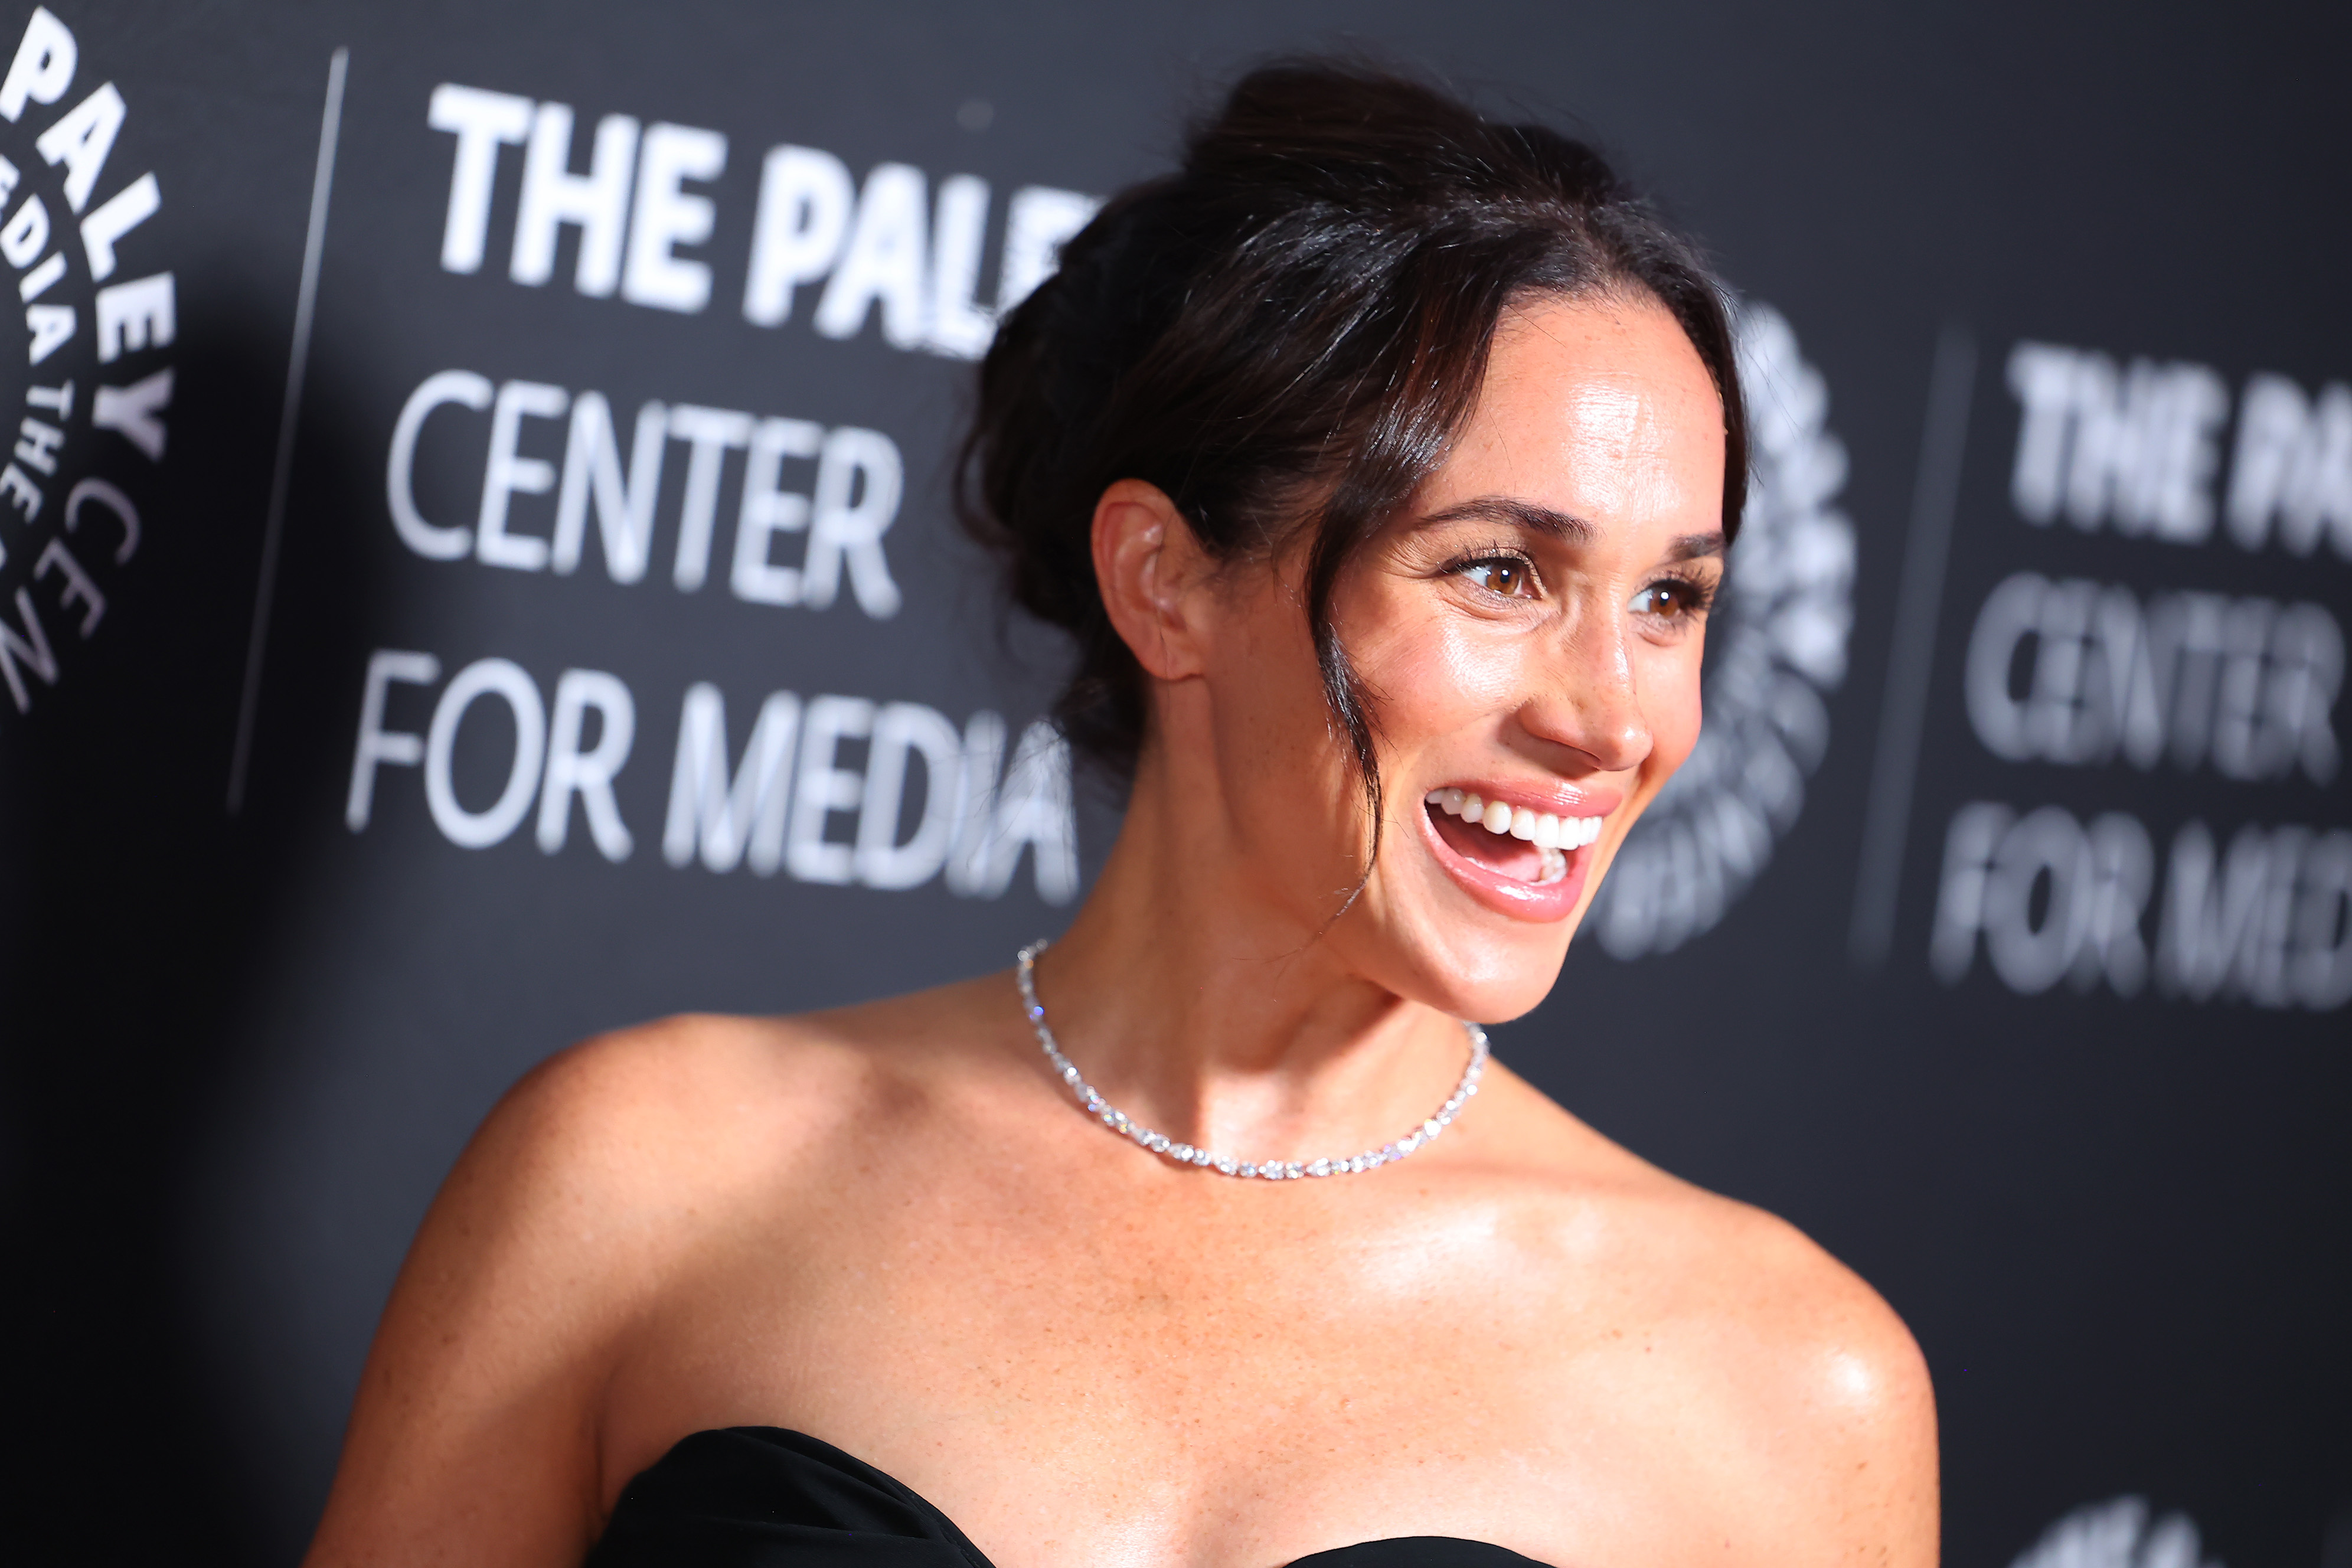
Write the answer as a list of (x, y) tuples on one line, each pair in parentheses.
[(760, 1497)]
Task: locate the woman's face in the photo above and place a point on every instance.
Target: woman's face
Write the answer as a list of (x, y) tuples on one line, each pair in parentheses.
[(1530, 632)]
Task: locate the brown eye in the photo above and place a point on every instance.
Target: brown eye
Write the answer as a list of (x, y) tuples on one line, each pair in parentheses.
[(1671, 599), (1502, 574)]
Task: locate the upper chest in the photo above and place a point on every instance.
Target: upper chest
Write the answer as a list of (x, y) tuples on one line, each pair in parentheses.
[(1212, 1376)]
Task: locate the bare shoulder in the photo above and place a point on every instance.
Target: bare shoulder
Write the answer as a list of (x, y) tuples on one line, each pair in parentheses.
[(1826, 1385), (1811, 1391), (613, 1166), (698, 1102), (1833, 1358), (598, 1182), (662, 1100)]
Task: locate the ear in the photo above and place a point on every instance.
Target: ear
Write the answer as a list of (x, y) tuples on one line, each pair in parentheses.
[(1150, 568)]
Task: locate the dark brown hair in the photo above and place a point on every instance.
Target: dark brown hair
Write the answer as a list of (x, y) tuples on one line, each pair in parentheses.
[(1285, 336)]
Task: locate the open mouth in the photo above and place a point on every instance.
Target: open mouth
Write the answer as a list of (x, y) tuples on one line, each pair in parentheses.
[(1513, 842)]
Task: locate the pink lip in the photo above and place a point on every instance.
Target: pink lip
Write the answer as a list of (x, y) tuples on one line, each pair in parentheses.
[(1539, 904)]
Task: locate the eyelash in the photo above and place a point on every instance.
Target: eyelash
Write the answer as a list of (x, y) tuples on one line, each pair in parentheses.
[(1700, 594), (1495, 555)]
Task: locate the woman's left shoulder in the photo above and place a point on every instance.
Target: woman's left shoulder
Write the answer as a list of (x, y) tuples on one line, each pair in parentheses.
[(1826, 1384), (1725, 1272), (1808, 1370), (1807, 1388), (1841, 1355)]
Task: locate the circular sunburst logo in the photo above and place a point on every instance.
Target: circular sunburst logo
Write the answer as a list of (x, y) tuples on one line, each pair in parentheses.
[(90, 391)]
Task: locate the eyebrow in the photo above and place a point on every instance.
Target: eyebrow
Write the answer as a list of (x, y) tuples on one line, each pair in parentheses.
[(1527, 514), (1523, 513)]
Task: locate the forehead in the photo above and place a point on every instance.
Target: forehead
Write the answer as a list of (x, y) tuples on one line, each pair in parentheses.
[(1599, 408)]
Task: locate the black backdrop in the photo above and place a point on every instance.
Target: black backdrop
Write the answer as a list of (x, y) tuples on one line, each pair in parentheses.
[(1999, 938)]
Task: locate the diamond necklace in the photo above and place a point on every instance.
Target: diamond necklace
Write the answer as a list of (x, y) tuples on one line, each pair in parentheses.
[(1119, 1121)]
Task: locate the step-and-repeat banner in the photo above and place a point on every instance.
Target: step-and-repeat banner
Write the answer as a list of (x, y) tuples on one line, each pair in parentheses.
[(475, 570)]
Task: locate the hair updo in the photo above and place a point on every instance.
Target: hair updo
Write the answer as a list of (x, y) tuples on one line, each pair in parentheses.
[(1285, 336)]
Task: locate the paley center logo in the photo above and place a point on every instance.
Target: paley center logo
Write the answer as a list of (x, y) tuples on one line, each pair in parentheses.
[(1776, 647), (783, 514), (2221, 868), (94, 388)]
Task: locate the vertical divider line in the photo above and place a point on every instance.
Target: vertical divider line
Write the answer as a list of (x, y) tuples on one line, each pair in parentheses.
[(1911, 660), (297, 359)]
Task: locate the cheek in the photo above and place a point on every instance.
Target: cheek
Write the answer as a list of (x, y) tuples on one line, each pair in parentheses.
[(1437, 675), (1671, 705)]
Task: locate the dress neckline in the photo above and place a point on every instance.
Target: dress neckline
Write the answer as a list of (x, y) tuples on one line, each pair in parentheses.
[(643, 1500)]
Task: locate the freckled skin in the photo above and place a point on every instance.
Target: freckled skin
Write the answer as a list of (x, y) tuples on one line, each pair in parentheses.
[(887, 1226)]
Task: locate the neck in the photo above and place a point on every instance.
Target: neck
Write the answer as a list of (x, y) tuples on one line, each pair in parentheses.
[(1223, 1016)]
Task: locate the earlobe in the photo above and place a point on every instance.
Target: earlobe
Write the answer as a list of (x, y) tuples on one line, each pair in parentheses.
[(1147, 564)]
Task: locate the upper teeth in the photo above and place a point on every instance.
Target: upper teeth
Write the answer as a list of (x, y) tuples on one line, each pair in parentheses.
[(1543, 829)]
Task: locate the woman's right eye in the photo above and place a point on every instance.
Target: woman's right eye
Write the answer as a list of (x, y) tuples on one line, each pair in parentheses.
[(1505, 574)]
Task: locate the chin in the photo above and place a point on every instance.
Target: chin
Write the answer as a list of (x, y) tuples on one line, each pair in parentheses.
[(1446, 952), (1508, 992)]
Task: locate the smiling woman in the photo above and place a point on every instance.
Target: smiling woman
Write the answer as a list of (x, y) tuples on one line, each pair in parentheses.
[(1382, 461)]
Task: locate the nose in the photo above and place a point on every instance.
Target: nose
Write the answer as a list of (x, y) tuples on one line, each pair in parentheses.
[(1586, 699)]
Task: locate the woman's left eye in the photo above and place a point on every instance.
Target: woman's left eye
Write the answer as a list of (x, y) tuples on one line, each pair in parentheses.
[(1672, 598), (1505, 574)]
